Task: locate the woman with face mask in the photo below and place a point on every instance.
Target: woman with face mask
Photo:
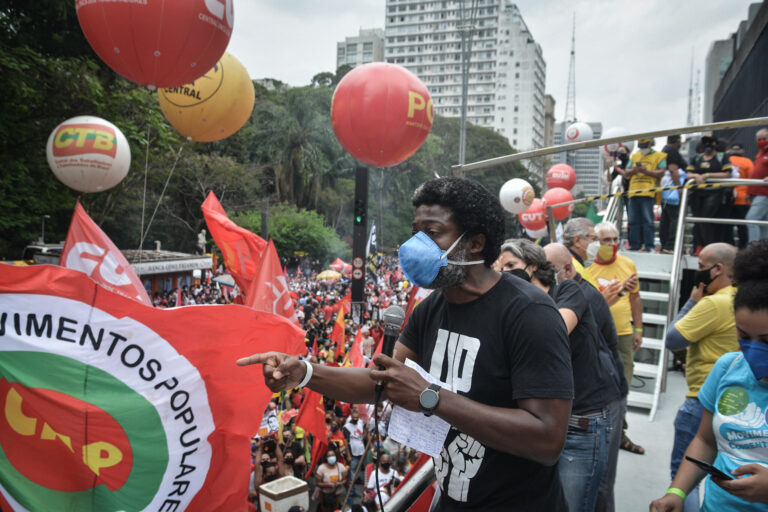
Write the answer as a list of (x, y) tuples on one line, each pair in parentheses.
[(331, 478), (732, 435), (709, 164)]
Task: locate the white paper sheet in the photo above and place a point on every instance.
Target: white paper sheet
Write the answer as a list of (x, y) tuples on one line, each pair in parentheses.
[(423, 433)]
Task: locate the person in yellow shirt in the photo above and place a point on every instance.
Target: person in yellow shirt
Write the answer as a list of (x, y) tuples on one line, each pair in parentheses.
[(705, 326), (610, 270), (644, 170)]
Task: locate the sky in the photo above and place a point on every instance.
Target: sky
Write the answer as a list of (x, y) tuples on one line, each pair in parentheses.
[(633, 57)]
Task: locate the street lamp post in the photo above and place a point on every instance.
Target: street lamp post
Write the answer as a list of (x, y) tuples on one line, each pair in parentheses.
[(42, 235)]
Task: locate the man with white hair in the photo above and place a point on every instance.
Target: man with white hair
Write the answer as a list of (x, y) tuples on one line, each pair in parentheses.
[(608, 269), (579, 238)]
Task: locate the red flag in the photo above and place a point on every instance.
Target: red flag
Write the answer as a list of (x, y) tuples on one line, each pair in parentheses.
[(142, 404), (240, 248), (269, 291), (415, 296), (312, 419), (337, 334), (356, 351), (89, 250)]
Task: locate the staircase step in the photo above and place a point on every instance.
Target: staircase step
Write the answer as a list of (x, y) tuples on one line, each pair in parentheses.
[(646, 369), (652, 343), (651, 318), (640, 399), (656, 296)]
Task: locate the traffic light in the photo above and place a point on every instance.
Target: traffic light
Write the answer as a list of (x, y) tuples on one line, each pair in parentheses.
[(361, 211)]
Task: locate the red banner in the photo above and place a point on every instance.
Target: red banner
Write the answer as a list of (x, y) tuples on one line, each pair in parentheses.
[(240, 248), (356, 351), (146, 401), (269, 291), (89, 250), (311, 418)]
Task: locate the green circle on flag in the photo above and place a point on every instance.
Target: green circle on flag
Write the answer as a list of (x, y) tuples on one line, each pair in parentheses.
[(733, 400), (135, 414)]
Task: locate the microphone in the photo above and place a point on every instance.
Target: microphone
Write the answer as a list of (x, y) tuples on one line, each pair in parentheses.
[(394, 317)]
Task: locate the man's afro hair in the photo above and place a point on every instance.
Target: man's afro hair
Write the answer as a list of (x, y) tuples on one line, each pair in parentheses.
[(474, 209)]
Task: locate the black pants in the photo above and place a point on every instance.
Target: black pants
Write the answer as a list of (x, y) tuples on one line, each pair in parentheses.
[(668, 225), (738, 211), (711, 204)]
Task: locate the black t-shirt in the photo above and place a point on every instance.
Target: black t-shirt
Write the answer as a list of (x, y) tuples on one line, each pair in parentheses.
[(674, 157), (591, 382), (506, 345), (609, 341), (718, 163)]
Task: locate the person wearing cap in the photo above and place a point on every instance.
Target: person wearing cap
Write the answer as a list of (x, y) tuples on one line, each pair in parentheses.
[(741, 169), (645, 169), (709, 202)]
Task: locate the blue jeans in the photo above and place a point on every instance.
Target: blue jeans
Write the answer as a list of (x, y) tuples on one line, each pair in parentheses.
[(583, 461), (686, 424), (758, 211), (605, 499), (640, 212)]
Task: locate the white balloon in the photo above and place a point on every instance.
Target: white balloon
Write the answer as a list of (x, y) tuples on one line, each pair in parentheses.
[(88, 154), (516, 195), (536, 234), (617, 131), (578, 132)]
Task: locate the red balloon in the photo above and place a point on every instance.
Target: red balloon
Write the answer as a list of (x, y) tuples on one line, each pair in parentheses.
[(158, 43), (535, 217), (561, 175), (381, 113), (555, 196)]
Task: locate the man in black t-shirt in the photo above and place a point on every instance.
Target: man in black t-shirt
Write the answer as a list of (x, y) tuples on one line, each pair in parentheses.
[(507, 393), (712, 203), (584, 458), (670, 199)]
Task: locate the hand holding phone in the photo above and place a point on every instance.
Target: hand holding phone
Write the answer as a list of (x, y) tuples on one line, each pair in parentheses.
[(709, 468)]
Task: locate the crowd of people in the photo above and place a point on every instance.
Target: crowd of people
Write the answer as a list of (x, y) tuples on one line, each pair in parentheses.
[(647, 169), (539, 342)]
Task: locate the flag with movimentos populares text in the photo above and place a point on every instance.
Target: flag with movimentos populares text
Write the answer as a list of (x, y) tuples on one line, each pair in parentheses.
[(108, 404), (89, 250)]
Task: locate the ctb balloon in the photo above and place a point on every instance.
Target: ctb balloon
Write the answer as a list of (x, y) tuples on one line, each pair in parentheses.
[(381, 113), (212, 107), (516, 195), (578, 132), (88, 154), (555, 196), (561, 175), (535, 217), (158, 43)]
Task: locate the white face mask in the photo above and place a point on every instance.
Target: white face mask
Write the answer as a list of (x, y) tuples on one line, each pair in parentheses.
[(592, 249), (645, 151)]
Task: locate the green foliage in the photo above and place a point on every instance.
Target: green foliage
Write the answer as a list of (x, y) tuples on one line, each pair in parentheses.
[(296, 229)]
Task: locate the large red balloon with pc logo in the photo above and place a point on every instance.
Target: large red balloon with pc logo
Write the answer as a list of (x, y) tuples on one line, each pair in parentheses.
[(158, 43), (381, 113)]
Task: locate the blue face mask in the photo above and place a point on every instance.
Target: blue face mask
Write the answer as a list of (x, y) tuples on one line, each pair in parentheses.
[(756, 354), (421, 259)]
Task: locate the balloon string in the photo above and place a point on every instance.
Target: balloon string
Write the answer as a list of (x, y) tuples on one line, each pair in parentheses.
[(159, 199), (144, 195)]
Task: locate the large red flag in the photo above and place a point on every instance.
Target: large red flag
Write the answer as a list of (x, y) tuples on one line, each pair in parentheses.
[(269, 291), (311, 418), (89, 250), (415, 296), (240, 248), (135, 407)]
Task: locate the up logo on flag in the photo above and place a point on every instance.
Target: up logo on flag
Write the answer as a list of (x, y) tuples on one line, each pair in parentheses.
[(88, 258)]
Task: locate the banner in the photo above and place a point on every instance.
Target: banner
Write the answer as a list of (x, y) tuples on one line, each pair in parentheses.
[(240, 248), (269, 291), (89, 250), (107, 404), (311, 418), (355, 356)]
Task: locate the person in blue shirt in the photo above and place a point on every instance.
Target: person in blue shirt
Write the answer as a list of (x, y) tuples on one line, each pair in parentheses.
[(733, 433)]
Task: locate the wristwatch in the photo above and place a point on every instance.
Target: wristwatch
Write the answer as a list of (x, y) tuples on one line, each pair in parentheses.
[(429, 398)]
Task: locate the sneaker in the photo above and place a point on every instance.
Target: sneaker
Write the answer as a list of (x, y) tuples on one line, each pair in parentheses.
[(667, 251)]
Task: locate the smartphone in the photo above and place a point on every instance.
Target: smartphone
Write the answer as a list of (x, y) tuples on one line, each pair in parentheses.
[(709, 468)]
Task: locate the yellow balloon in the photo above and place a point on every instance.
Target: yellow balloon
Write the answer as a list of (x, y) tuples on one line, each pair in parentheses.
[(214, 106)]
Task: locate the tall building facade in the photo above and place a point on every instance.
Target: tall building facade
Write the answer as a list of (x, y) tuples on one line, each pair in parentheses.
[(718, 59), (507, 71), (586, 162), (367, 46)]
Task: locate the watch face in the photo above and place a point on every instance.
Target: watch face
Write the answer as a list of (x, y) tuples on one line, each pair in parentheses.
[(428, 399)]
